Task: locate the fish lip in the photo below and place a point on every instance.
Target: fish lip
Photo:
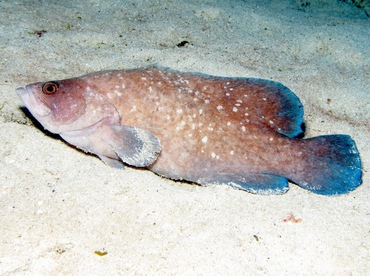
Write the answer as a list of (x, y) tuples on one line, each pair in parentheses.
[(32, 102), (21, 92)]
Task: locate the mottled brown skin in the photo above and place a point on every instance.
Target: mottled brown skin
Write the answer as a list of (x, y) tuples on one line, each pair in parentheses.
[(210, 129), (157, 101)]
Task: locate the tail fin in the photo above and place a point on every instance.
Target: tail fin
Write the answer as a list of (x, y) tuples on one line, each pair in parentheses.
[(332, 167)]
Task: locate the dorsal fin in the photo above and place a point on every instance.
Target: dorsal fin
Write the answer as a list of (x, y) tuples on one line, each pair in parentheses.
[(279, 107)]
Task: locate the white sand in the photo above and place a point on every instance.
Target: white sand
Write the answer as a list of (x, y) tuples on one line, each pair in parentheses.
[(59, 206)]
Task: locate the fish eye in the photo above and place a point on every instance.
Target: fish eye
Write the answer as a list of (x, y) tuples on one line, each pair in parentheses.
[(50, 88)]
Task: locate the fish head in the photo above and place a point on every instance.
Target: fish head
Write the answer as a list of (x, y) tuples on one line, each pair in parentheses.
[(55, 104)]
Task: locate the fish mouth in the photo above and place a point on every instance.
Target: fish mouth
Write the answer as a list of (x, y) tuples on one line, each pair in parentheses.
[(83, 129), (32, 102)]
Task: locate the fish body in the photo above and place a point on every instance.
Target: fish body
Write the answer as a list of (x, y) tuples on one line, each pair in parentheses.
[(200, 128)]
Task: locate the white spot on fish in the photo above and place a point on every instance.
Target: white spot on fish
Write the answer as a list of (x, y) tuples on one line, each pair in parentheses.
[(204, 139), (243, 128), (219, 107), (231, 152), (207, 101), (133, 108), (98, 97), (235, 109), (179, 111), (228, 124)]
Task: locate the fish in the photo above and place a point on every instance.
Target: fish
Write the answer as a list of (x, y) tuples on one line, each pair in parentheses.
[(243, 132)]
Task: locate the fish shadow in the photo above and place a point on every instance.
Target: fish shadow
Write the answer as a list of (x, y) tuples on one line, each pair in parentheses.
[(54, 136), (37, 125), (303, 133)]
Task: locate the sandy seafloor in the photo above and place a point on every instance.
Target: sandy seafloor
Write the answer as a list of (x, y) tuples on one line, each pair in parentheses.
[(59, 206)]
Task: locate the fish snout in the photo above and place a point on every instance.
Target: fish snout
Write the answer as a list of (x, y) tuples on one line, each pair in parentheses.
[(32, 102), (20, 91)]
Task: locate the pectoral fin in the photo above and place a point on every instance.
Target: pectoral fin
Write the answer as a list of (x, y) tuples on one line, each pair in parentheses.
[(135, 146)]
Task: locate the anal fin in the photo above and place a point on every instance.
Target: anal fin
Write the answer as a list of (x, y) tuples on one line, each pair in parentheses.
[(263, 184)]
